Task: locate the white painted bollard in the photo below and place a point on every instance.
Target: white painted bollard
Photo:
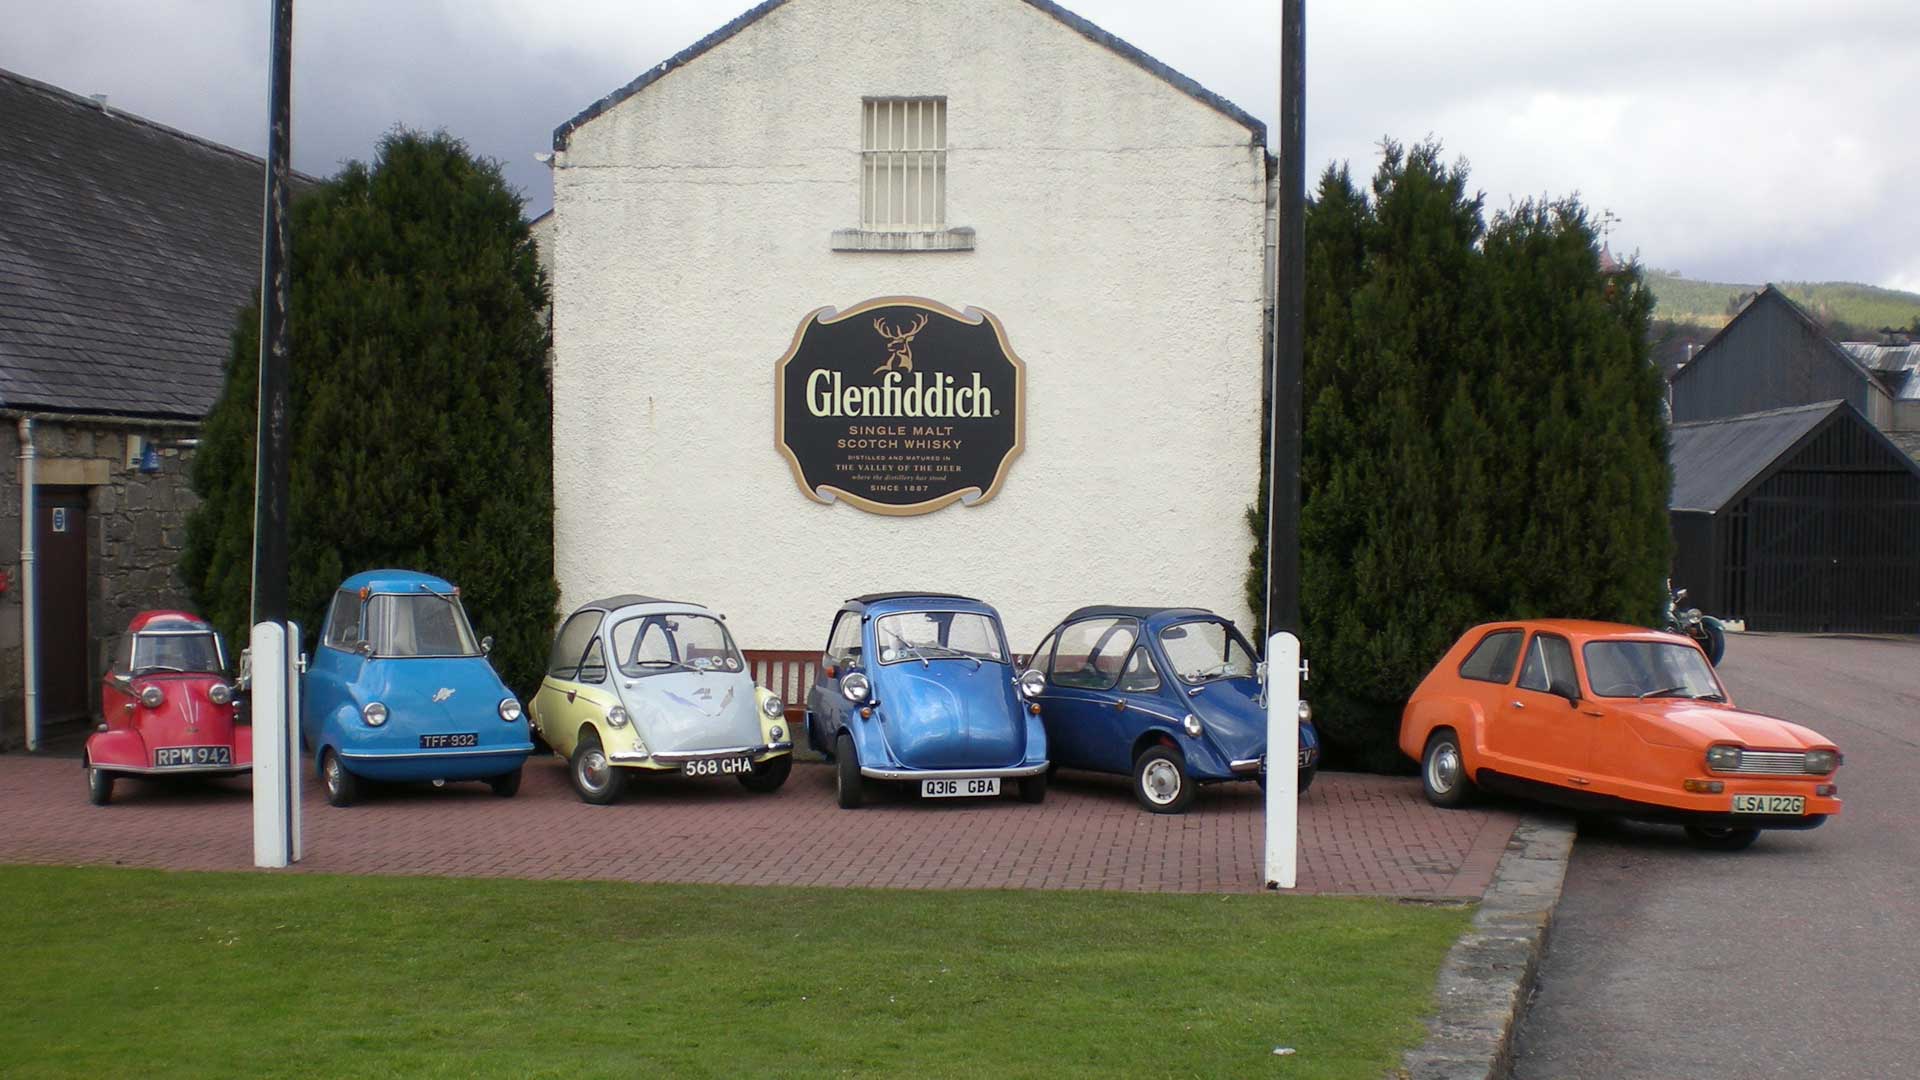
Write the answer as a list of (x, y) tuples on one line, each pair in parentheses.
[(1283, 756), (276, 744)]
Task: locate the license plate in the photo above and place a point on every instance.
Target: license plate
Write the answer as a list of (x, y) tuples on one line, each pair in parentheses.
[(726, 766), (1769, 804), (449, 742), (959, 789), (169, 756), (1306, 758)]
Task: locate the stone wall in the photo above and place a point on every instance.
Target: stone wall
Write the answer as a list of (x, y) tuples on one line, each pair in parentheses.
[(136, 526)]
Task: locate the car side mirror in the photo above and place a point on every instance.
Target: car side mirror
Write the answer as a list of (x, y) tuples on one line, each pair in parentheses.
[(363, 647), (122, 679), (1566, 688), (486, 645)]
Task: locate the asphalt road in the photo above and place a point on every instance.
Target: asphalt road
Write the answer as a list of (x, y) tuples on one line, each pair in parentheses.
[(1798, 957)]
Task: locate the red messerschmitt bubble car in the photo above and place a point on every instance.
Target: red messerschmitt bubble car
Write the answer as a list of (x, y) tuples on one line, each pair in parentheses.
[(169, 706)]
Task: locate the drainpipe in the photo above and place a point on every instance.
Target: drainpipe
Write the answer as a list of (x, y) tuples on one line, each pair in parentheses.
[(28, 632)]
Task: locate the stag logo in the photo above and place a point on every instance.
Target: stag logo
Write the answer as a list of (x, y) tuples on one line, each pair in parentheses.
[(899, 343)]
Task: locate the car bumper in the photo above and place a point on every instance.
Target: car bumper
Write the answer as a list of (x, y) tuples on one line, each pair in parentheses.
[(174, 770), (1249, 768), (464, 764), (674, 759), (952, 774)]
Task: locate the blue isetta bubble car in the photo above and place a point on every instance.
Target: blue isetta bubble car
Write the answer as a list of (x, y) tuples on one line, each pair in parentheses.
[(1171, 696), (920, 687), (399, 689)]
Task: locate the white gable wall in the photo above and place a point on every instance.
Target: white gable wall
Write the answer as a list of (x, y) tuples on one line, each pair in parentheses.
[(1120, 234)]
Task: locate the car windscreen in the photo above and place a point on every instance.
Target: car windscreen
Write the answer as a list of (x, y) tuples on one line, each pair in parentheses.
[(177, 651), (419, 624), (651, 644), (1204, 651), (938, 635), (1622, 669)]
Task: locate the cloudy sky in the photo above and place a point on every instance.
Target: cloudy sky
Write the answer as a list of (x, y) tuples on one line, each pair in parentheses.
[(1751, 141)]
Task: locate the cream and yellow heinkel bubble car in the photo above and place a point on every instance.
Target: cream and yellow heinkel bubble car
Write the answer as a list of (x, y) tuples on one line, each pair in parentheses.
[(641, 684)]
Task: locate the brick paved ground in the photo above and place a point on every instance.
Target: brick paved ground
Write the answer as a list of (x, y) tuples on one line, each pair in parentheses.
[(1358, 834)]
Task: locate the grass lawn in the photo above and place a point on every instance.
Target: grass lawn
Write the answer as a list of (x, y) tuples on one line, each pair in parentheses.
[(135, 972)]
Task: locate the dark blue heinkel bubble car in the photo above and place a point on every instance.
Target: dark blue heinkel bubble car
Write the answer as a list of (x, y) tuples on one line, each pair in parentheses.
[(400, 689), (920, 688), (1171, 696)]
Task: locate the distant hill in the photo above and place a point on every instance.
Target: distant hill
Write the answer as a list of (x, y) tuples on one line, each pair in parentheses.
[(1858, 308)]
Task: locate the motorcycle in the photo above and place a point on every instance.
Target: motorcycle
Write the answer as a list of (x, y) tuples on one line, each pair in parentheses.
[(1708, 631)]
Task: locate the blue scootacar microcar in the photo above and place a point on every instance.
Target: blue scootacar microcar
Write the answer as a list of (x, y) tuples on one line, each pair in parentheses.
[(399, 689), (920, 687), (1170, 695)]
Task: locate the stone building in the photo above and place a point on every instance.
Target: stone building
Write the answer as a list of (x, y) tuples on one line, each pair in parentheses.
[(855, 295), (126, 251)]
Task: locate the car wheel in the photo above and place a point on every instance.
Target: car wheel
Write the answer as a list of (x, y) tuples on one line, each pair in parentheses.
[(1306, 777), (767, 776), (1722, 839), (596, 779), (1160, 780), (1033, 789), (506, 785), (99, 786), (1715, 643), (342, 786), (846, 775), (1443, 772)]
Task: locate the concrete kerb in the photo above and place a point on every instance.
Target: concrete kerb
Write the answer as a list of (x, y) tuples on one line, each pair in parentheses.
[(1486, 978)]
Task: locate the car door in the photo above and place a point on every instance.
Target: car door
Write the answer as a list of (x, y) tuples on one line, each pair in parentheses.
[(1544, 735), (825, 704), (335, 664), (557, 705), (1082, 708)]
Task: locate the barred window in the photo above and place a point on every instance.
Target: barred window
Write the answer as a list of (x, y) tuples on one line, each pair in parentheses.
[(903, 164)]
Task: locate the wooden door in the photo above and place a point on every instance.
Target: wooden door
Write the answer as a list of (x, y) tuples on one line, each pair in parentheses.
[(64, 655)]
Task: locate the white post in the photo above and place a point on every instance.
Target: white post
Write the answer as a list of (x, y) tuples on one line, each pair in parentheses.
[(1283, 756), (276, 741)]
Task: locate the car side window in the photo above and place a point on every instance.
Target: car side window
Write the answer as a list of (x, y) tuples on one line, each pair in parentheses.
[(564, 662), (843, 645), (123, 653), (343, 621), (1492, 659), (1092, 653), (1549, 662), (1140, 675), (593, 666), (1042, 654)]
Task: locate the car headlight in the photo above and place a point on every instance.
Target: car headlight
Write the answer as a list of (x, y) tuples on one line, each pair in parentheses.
[(220, 694), (776, 733), (1306, 713), (1822, 762), (374, 714), (1192, 724), (856, 688), (152, 697), (509, 709), (772, 707), (1032, 683), (1723, 759), (617, 717)]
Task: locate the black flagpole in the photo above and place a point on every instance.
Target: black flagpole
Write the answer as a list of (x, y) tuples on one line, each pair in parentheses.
[(1289, 330), (276, 294)]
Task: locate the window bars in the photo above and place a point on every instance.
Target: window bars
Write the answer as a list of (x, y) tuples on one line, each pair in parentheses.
[(903, 164)]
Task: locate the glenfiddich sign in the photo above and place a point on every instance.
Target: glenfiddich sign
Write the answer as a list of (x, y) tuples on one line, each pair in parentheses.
[(900, 405)]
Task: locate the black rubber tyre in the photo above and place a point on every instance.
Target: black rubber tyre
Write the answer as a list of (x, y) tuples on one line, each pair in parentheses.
[(1033, 789), (1160, 780), (99, 786), (1722, 839), (1443, 772), (1306, 777), (506, 785), (767, 776), (595, 779), (1715, 643), (341, 786), (848, 783)]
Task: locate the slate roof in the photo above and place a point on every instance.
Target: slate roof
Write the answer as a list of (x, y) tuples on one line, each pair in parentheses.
[(1908, 441), (1087, 29), (1897, 367), (1715, 460), (126, 248)]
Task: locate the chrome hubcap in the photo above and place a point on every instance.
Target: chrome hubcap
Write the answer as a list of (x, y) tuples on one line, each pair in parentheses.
[(333, 775), (594, 770), (1443, 771), (1161, 781)]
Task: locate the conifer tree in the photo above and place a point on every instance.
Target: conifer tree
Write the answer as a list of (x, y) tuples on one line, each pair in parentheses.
[(1483, 435), (421, 421)]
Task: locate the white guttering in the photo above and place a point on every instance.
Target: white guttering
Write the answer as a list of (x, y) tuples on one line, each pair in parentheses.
[(29, 633)]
